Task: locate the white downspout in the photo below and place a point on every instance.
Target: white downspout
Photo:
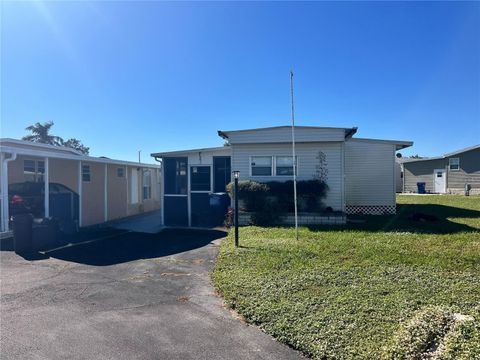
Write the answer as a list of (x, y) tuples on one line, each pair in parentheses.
[(4, 190), (105, 193), (46, 179), (80, 190)]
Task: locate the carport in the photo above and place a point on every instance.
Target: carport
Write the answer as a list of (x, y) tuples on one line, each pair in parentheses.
[(106, 189)]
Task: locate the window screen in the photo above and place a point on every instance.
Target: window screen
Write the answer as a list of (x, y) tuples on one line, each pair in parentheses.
[(284, 165), (147, 185), (175, 176), (200, 178), (29, 170), (86, 173), (261, 166), (120, 172), (454, 163)]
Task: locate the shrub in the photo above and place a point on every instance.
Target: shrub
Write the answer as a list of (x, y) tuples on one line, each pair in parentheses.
[(422, 335), (310, 194), (252, 193), (268, 200)]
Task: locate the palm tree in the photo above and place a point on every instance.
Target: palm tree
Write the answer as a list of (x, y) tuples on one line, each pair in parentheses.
[(40, 133)]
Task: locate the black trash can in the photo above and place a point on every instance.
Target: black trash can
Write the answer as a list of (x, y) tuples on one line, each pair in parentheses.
[(219, 206), (22, 233), (45, 234), (421, 187)]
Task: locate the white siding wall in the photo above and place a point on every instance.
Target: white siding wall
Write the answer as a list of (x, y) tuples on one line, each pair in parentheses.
[(307, 161), (205, 157), (284, 134), (370, 173)]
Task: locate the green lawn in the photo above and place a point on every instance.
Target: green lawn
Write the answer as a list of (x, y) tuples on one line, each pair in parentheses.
[(386, 288)]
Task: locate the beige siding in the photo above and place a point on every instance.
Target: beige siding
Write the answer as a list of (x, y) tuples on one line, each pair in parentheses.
[(117, 192), (469, 171), (421, 171), (15, 168), (64, 172), (284, 134), (307, 163), (142, 205), (369, 173), (93, 210)]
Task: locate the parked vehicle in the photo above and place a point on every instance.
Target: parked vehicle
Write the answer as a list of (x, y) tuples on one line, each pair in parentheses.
[(28, 197)]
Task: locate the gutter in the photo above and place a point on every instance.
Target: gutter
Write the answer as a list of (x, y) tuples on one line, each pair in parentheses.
[(350, 132)]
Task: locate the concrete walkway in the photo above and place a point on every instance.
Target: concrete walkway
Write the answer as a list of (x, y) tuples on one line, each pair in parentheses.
[(128, 296), (146, 223)]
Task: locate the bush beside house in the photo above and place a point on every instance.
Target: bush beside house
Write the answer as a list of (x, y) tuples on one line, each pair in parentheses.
[(268, 201)]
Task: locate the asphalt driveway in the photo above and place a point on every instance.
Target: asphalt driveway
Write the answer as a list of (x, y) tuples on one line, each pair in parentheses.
[(124, 296)]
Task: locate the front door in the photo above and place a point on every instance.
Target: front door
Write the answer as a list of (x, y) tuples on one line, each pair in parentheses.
[(175, 200), (200, 190), (439, 181)]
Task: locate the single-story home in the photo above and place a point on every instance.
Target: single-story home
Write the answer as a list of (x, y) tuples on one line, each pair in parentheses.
[(449, 173), (84, 189), (360, 173)]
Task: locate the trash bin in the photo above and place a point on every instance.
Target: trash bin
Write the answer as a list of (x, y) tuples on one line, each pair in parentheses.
[(468, 187), (421, 187), (22, 233), (219, 206), (45, 232)]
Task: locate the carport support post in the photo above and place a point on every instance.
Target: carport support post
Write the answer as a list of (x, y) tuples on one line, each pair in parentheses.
[(46, 179), (236, 175)]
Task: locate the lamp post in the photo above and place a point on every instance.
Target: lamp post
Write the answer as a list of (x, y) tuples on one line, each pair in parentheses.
[(236, 175)]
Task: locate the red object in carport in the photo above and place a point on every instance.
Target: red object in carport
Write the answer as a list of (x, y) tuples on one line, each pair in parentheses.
[(17, 199)]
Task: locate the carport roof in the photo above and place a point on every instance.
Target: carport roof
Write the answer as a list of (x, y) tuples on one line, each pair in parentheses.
[(29, 148)]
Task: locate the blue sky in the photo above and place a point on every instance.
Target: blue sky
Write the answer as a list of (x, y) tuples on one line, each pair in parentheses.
[(125, 76)]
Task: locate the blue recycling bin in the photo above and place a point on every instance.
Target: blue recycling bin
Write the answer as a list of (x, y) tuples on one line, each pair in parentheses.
[(421, 187)]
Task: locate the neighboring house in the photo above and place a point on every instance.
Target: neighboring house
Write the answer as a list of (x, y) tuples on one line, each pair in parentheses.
[(360, 173), (106, 189), (398, 175), (449, 173)]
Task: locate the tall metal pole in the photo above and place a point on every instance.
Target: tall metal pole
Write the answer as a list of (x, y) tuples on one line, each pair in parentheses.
[(294, 158), (236, 211)]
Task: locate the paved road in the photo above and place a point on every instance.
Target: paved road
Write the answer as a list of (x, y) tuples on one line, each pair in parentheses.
[(127, 296)]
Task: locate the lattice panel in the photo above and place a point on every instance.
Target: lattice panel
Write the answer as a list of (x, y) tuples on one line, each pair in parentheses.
[(371, 209)]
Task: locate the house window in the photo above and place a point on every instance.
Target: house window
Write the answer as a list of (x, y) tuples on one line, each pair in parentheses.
[(147, 185), (284, 165), (261, 166), (120, 172), (33, 170), (454, 164), (86, 173)]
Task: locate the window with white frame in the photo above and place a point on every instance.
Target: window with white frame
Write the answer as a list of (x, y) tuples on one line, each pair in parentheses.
[(261, 165), (454, 164), (284, 165), (86, 173), (34, 170), (147, 185)]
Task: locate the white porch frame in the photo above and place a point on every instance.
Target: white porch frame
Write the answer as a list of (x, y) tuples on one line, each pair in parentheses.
[(4, 189)]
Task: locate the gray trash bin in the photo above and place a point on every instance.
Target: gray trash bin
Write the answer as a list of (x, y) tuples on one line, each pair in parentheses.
[(22, 233)]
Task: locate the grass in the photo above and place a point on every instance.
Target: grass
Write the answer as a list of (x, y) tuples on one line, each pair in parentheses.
[(354, 291)]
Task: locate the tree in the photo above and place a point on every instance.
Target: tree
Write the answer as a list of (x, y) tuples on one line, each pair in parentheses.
[(77, 145), (41, 133), (416, 156)]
